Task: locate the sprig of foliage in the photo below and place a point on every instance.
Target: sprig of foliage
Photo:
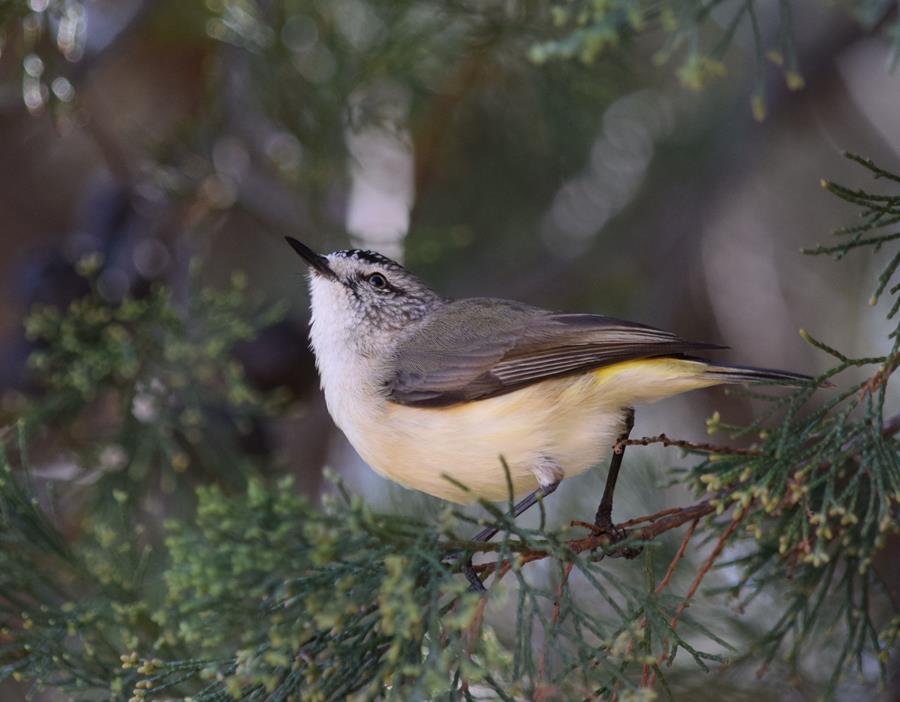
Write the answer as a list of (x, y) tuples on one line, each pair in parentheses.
[(335, 48), (66, 609), (878, 213), (820, 497), (143, 389), (694, 30), (272, 597)]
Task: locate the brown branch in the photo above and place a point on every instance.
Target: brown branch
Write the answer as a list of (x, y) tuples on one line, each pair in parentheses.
[(473, 635), (670, 571), (474, 629), (590, 526), (695, 585), (891, 426), (687, 445), (881, 376), (716, 552), (543, 692), (671, 520), (664, 583)]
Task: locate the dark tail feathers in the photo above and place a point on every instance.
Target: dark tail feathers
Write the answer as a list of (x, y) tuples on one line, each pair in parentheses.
[(748, 374)]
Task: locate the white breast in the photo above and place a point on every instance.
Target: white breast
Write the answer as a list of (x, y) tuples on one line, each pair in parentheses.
[(349, 378)]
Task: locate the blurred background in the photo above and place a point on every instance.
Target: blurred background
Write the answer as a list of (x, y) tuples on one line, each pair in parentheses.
[(461, 139)]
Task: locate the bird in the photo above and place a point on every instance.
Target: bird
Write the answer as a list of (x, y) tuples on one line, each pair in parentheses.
[(466, 399)]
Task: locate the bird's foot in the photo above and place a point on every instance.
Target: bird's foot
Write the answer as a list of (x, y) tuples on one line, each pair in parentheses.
[(475, 584), (453, 562), (603, 524)]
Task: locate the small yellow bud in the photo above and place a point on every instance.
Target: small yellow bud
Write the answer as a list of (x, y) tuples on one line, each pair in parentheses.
[(180, 462), (758, 106), (89, 264), (794, 80)]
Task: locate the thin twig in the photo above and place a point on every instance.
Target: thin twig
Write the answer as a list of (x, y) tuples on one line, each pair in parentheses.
[(687, 445), (664, 583), (716, 552), (879, 378), (701, 574), (473, 635), (474, 629), (599, 540), (590, 526), (554, 620), (891, 426), (670, 571)]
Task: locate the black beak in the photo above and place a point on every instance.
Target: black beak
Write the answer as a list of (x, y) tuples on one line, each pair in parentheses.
[(318, 262)]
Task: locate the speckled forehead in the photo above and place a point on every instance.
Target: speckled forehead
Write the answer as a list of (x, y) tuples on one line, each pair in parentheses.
[(349, 259), (368, 256)]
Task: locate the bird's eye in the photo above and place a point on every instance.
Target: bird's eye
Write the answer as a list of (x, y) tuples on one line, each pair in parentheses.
[(378, 281)]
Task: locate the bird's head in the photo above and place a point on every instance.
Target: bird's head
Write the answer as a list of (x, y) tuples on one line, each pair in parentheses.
[(364, 297)]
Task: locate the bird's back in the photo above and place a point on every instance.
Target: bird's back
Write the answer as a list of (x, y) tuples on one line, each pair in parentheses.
[(477, 348)]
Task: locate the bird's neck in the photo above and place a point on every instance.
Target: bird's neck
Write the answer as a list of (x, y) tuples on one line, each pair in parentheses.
[(353, 354), (351, 378)]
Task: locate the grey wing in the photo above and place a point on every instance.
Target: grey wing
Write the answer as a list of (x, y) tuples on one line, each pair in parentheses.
[(478, 348)]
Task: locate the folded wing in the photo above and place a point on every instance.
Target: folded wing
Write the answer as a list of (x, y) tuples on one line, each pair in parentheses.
[(478, 348)]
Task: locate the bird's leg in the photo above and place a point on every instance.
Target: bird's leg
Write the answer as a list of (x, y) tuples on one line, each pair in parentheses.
[(603, 520), (488, 533)]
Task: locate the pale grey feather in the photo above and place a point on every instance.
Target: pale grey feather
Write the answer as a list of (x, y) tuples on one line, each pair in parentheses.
[(476, 348)]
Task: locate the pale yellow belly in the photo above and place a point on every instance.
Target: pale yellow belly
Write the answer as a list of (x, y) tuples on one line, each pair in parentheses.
[(572, 421)]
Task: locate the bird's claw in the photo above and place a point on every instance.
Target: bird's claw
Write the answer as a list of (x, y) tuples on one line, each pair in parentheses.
[(465, 559), (475, 584), (616, 534)]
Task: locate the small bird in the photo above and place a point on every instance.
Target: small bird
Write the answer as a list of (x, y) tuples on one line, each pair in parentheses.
[(445, 396)]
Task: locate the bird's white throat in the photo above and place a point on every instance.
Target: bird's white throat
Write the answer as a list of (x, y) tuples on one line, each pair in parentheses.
[(350, 377)]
